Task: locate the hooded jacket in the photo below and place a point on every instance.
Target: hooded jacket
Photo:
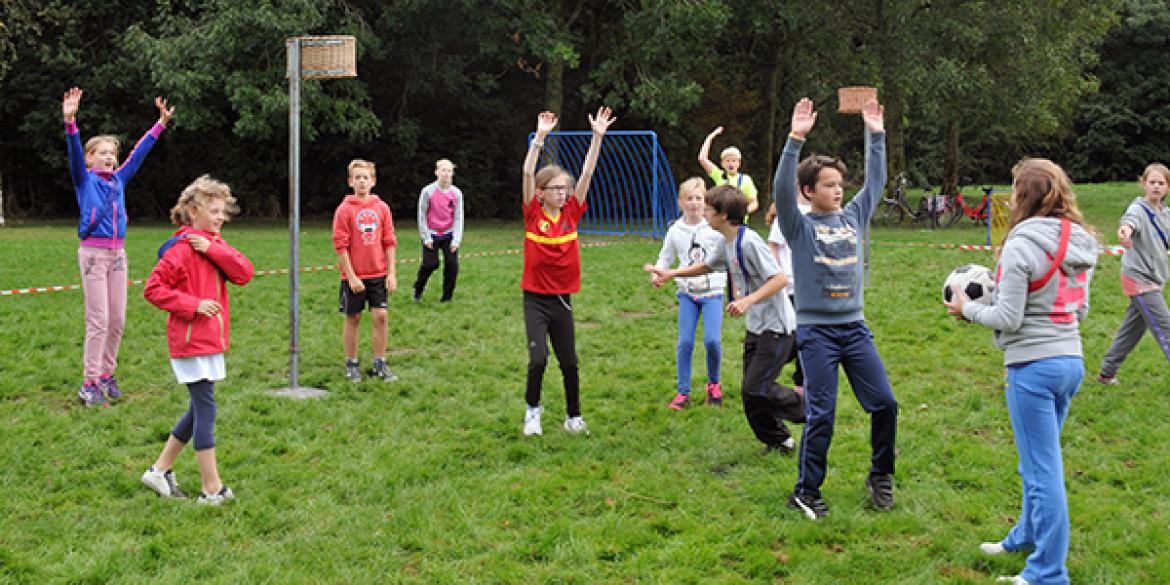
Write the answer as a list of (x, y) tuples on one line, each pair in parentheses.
[(182, 278), (1041, 323), (364, 229), (101, 196)]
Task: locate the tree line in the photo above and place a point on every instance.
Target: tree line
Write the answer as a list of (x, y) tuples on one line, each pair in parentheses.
[(969, 87)]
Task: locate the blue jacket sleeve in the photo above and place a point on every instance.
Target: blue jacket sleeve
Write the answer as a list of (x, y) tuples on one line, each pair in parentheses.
[(130, 167), (77, 169)]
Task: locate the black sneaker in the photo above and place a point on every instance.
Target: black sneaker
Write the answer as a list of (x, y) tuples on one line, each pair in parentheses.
[(881, 491), (353, 371), (382, 372), (812, 507)]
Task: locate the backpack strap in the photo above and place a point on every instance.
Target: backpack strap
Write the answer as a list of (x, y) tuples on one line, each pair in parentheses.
[(1061, 249), (170, 243), (739, 255), (1154, 222)]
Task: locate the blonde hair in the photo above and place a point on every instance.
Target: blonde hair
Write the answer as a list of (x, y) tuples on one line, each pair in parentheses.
[(199, 193), (444, 161), (1040, 188), (1155, 168), (358, 163), (731, 151), (546, 174), (92, 144), (690, 185)]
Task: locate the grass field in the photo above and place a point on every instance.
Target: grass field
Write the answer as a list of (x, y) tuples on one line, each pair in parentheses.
[(428, 479)]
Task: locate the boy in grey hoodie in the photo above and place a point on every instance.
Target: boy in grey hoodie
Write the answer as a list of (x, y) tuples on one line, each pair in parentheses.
[(831, 330), (1144, 231), (1042, 293)]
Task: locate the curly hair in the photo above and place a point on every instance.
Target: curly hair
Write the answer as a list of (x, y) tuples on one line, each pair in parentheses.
[(199, 193)]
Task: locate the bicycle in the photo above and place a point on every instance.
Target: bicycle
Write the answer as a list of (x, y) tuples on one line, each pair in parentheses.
[(894, 209), (956, 208)]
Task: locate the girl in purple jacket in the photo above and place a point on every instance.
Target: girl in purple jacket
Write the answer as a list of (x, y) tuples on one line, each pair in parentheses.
[(100, 185)]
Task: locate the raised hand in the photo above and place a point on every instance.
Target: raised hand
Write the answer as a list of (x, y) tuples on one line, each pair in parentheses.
[(715, 132), (545, 123), (601, 122), (803, 118), (873, 114), (164, 113), (70, 104)]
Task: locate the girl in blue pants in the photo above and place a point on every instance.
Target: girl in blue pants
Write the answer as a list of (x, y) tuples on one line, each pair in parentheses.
[(1042, 293)]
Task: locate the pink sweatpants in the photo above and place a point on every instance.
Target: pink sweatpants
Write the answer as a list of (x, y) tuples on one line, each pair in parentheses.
[(104, 278)]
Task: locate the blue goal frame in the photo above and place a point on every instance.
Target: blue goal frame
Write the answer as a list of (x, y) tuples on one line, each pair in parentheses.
[(633, 190)]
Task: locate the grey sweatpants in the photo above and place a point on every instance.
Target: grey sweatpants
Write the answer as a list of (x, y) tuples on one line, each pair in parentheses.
[(1145, 311)]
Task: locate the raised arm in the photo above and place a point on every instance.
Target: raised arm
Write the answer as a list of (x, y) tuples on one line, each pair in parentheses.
[(146, 143), (804, 117), (600, 124), (705, 151), (545, 122), (873, 114), (69, 106)]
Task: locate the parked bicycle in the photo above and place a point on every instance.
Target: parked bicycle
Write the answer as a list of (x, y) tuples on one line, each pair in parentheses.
[(895, 209), (955, 208)]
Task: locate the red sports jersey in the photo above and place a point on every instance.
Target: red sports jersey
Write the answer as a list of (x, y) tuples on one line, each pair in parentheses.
[(552, 258)]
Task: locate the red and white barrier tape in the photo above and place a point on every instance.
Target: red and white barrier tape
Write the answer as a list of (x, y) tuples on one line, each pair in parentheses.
[(136, 282), (1108, 250)]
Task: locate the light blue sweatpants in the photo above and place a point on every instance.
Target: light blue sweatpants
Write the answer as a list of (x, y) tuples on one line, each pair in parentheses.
[(1038, 395)]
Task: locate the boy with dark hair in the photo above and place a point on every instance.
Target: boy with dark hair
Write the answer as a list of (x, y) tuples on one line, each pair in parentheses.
[(770, 320), (831, 328)]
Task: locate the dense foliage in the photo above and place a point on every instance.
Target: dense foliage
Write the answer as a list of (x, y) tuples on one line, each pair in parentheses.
[(969, 87)]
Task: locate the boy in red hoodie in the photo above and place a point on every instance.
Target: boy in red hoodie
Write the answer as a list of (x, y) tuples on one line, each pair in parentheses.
[(363, 236), (189, 283)]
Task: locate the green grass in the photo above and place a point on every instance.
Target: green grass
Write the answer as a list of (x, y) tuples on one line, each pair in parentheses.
[(428, 480)]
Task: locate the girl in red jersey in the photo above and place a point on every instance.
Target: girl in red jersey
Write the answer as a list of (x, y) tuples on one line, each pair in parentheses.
[(190, 282), (552, 266)]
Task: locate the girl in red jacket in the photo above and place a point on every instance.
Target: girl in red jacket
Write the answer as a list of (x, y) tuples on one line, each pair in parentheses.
[(190, 283)]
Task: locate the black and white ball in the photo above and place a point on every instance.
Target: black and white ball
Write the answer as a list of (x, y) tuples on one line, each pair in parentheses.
[(976, 281)]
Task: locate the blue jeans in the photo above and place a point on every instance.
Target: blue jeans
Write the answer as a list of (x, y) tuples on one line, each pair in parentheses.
[(822, 349), (689, 310), (1038, 395)]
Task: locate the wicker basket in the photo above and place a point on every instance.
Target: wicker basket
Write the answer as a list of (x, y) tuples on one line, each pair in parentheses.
[(852, 98), (328, 57)]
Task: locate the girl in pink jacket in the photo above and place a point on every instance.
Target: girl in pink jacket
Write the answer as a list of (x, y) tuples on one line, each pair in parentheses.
[(190, 282)]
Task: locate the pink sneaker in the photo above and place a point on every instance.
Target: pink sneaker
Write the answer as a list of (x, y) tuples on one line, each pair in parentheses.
[(714, 394), (680, 402)]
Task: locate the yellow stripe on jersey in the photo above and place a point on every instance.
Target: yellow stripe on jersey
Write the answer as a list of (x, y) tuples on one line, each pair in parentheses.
[(539, 239)]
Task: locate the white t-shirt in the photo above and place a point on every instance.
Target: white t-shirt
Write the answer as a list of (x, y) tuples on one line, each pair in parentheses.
[(783, 252)]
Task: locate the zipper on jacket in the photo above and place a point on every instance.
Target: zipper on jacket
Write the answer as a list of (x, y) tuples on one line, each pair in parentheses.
[(188, 339)]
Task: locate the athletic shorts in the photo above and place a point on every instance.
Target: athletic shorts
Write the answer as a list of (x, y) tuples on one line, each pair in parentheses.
[(352, 303)]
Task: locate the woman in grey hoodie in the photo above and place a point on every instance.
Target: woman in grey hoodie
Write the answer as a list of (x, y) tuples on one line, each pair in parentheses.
[(1042, 293)]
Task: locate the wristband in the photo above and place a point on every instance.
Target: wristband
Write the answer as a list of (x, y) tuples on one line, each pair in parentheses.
[(793, 136), (537, 144)]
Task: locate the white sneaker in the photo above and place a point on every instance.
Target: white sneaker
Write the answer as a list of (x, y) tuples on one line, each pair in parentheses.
[(163, 483), (1013, 579), (992, 548), (789, 443), (532, 421), (223, 495), (576, 424)]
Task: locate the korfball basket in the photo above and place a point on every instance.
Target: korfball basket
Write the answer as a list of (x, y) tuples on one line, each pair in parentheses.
[(328, 57), (850, 99)]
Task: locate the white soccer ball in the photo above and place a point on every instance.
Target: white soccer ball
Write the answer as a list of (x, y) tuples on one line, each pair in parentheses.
[(978, 282)]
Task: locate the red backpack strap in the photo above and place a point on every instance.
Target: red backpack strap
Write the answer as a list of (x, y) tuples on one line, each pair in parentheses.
[(1065, 231)]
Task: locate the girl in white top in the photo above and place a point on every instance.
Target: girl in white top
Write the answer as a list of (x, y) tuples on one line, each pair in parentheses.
[(690, 240)]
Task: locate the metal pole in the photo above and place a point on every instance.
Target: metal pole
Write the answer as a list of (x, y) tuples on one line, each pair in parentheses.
[(294, 208)]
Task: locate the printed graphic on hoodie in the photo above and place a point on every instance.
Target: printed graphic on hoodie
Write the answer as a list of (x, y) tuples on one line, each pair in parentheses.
[(835, 248), (367, 224)]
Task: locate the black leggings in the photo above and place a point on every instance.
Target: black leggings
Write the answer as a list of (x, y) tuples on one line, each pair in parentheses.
[(550, 317), (199, 420), (430, 263)]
